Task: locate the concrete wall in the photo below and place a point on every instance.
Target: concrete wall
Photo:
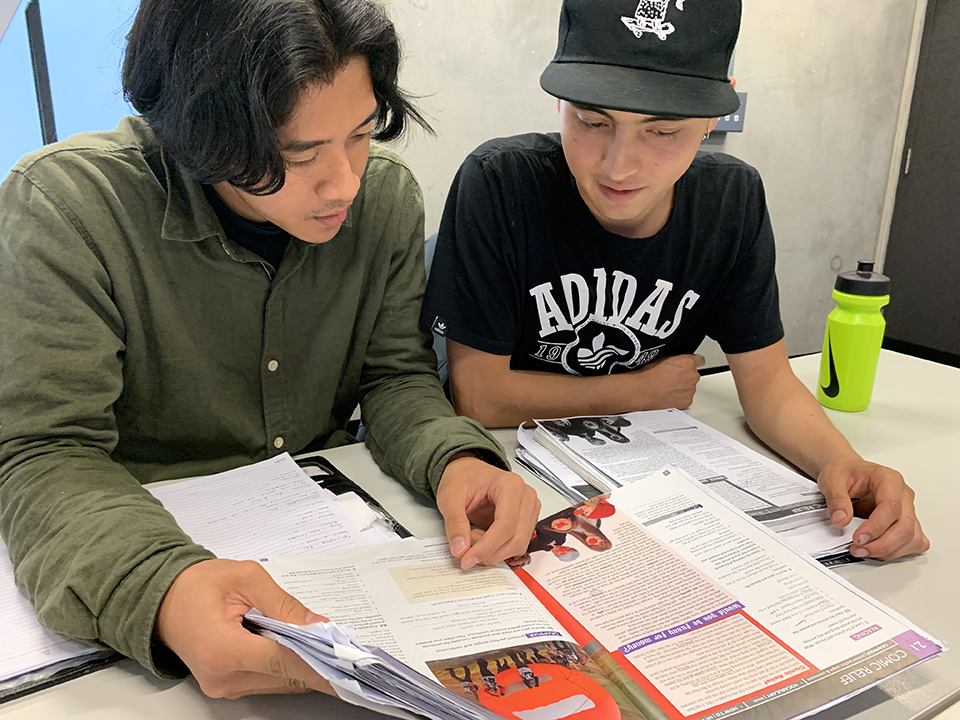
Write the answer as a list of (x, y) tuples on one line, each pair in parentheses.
[(824, 80)]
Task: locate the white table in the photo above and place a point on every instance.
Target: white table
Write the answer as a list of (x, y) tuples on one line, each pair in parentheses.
[(913, 425)]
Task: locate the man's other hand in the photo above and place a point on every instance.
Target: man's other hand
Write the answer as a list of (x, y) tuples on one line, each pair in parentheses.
[(669, 382), (200, 619), (880, 494), (498, 502)]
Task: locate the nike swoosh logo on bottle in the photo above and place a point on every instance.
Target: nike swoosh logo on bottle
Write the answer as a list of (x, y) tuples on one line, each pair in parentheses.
[(833, 389)]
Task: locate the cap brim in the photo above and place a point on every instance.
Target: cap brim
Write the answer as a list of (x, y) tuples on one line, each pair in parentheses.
[(642, 91)]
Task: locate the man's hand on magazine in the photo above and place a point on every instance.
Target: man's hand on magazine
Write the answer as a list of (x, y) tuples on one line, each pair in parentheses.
[(200, 619), (499, 502), (881, 495)]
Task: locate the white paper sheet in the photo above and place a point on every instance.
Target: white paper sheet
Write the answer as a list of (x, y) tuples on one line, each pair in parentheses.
[(268, 508)]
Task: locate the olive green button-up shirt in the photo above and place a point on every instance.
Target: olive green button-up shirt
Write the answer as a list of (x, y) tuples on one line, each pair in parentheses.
[(137, 343)]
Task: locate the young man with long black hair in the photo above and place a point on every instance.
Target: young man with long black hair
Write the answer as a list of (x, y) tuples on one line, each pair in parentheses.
[(212, 283)]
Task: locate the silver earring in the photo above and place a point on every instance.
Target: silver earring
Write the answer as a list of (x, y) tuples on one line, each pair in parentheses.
[(706, 135)]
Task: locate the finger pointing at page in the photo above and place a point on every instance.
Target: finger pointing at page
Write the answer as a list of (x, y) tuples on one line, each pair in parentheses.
[(474, 492)]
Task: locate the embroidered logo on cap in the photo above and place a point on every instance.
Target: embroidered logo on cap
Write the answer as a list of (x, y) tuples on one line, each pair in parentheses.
[(651, 17)]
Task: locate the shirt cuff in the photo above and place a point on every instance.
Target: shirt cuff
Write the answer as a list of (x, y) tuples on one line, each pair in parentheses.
[(474, 439), (128, 620)]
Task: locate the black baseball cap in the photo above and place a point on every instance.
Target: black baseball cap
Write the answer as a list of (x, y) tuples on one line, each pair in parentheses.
[(657, 57)]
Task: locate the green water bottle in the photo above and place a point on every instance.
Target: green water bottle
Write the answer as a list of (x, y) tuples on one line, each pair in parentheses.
[(851, 344)]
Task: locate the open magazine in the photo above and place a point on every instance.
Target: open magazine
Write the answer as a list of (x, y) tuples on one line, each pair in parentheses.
[(658, 601), (611, 451)]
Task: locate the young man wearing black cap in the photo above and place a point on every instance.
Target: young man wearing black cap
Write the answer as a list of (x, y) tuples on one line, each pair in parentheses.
[(577, 273)]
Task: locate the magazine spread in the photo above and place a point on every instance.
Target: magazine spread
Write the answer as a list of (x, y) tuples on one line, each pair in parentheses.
[(611, 451), (658, 601)]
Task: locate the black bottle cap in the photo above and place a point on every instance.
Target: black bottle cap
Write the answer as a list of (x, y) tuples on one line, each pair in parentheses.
[(863, 281)]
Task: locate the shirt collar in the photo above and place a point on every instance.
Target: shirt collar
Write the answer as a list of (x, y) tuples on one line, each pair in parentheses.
[(188, 216)]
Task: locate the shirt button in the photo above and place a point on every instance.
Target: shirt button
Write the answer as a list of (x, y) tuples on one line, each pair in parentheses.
[(278, 443), (273, 365)]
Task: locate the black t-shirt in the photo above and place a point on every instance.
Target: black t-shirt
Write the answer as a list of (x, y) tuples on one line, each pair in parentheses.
[(522, 268), (264, 239)]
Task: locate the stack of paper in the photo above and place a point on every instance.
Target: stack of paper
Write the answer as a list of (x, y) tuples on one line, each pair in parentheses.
[(554, 473), (612, 451), (368, 676)]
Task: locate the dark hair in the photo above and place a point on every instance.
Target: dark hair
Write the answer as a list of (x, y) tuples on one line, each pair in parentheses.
[(216, 79)]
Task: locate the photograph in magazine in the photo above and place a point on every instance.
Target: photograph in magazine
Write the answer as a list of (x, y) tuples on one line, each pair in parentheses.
[(595, 430), (554, 679), (569, 531)]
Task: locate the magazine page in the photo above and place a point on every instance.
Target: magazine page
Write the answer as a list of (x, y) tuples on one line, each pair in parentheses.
[(627, 447), (480, 633), (707, 612)]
